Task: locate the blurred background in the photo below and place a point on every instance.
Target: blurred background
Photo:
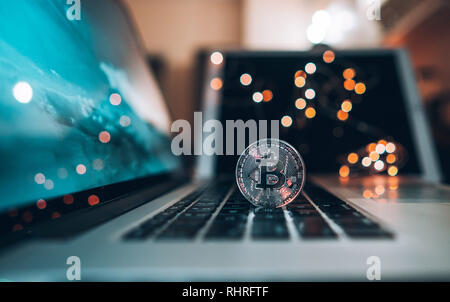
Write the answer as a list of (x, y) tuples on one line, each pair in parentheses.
[(176, 32)]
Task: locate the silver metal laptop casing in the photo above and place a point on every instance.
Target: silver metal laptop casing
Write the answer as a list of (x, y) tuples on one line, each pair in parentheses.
[(419, 251)]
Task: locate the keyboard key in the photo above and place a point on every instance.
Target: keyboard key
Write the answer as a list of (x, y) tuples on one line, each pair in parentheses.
[(262, 211), (238, 201), (226, 211), (221, 230), (147, 228), (269, 217), (268, 214), (230, 222), (196, 209), (269, 223), (206, 204), (304, 212), (313, 228), (264, 229), (300, 206), (230, 205), (194, 216), (343, 215), (231, 218)]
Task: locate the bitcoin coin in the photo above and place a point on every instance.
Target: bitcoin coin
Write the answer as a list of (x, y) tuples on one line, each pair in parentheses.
[(270, 173)]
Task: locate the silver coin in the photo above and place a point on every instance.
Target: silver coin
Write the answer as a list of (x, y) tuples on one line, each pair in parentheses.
[(270, 173)]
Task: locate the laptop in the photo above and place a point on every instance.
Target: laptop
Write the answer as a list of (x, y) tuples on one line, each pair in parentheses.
[(88, 172)]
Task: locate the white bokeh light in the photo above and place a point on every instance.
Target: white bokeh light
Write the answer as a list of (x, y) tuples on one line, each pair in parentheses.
[(315, 33), (379, 165), (322, 19), (216, 58), (124, 121), (23, 92)]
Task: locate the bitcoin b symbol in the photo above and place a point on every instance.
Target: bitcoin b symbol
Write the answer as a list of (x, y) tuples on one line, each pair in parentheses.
[(270, 178)]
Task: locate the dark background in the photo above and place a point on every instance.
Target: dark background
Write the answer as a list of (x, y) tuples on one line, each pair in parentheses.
[(378, 113)]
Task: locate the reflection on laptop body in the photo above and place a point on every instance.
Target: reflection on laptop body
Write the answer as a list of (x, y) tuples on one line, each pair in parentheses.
[(87, 168)]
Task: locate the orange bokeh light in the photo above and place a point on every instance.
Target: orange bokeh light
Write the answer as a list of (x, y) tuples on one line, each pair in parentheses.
[(300, 73), (360, 88), (349, 73), (390, 158), (352, 158), (349, 85), (342, 115), (300, 82), (310, 112), (374, 156), (379, 190), (346, 106), (267, 95), (367, 194), (286, 121), (300, 103), (344, 171), (371, 147), (216, 84), (392, 171), (328, 56)]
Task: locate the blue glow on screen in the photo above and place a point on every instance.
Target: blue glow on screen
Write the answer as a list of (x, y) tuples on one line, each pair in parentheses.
[(69, 102)]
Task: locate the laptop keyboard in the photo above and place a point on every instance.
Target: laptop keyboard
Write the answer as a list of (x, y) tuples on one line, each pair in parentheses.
[(205, 214)]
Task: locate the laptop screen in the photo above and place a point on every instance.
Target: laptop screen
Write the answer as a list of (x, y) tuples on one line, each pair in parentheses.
[(78, 107), (334, 107)]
